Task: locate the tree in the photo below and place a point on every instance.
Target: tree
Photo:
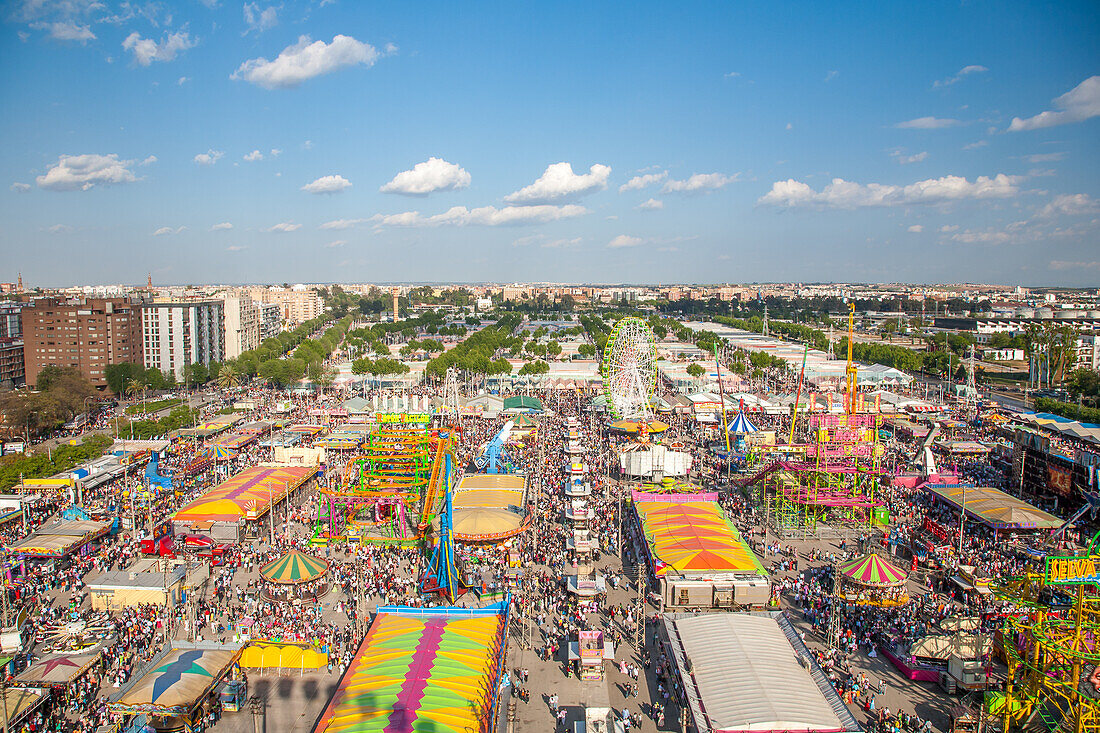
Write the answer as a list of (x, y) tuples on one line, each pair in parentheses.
[(195, 374), (228, 377), (119, 375), (694, 370), (534, 367), (133, 387)]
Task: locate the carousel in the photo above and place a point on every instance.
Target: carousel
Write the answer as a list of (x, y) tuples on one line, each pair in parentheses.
[(872, 581), (295, 577)]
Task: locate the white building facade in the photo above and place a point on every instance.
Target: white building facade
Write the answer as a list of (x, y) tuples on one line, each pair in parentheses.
[(176, 334), (242, 325)]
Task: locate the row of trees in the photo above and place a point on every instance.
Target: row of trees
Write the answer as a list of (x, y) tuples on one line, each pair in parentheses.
[(378, 367), (478, 353), (43, 464)]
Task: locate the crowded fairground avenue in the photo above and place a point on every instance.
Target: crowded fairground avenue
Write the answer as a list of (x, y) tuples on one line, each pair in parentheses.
[(613, 551)]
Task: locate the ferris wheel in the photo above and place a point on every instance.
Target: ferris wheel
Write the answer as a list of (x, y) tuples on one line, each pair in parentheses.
[(630, 369)]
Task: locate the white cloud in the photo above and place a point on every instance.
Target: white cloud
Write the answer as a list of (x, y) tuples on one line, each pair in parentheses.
[(146, 50), (651, 205), (916, 228), (699, 182), (1063, 265), (81, 172), (832, 75), (305, 60), (276, 152), (624, 240), (210, 157), (285, 226), (20, 187), (988, 236), (489, 216), (789, 126), (307, 145), (336, 243), (343, 223), (1075, 204), (927, 123), (963, 72), (168, 230), (948, 228), (259, 20), (975, 145), (434, 174), (254, 156), (639, 182), (237, 247), (1078, 104), (222, 226), (149, 160), (559, 243), (327, 184), (907, 159), (1045, 157), (559, 181), (183, 80), (67, 31), (843, 194), (60, 229), (732, 74)]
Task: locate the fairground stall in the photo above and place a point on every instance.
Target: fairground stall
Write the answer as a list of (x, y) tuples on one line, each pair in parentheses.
[(433, 669), (225, 512), (750, 672), (177, 687), (696, 555)]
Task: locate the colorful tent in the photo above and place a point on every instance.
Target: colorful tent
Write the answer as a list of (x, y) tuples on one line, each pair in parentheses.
[(421, 670), (632, 426), (694, 536), (223, 453), (874, 572), (741, 424), (56, 669), (177, 681), (248, 495), (294, 567)]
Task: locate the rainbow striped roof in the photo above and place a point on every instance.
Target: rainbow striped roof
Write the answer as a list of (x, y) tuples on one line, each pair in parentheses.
[(694, 536), (873, 571), (248, 495), (417, 671)]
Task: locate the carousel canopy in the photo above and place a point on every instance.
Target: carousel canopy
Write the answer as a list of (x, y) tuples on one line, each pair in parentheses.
[(294, 567), (525, 421), (56, 669), (741, 424), (873, 571), (634, 426)]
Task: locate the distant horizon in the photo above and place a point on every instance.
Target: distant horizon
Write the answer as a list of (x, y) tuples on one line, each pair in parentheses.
[(578, 283)]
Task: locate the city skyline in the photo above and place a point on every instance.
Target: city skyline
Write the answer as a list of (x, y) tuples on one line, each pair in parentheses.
[(330, 142)]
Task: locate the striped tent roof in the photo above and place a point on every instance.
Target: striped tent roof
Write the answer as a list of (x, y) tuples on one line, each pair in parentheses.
[(419, 673), (873, 571), (741, 424), (294, 567)]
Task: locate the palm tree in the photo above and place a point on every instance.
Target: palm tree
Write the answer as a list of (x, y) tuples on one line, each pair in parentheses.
[(228, 377)]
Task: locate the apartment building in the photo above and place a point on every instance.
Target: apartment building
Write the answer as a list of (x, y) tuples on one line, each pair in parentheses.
[(178, 333), (242, 325), (270, 317), (86, 333), (296, 304)]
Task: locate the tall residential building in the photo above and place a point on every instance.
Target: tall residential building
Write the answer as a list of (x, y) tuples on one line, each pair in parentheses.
[(179, 333), (271, 320), (242, 325), (296, 304), (86, 333), (11, 319)]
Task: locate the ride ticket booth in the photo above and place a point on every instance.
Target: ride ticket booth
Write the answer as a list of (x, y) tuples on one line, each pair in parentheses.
[(588, 653)]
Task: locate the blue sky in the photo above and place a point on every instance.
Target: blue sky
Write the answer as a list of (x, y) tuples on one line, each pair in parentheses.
[(223, 141)]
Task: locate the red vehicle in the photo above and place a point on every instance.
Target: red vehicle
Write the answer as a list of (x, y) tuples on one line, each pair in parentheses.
[(160, 542)]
